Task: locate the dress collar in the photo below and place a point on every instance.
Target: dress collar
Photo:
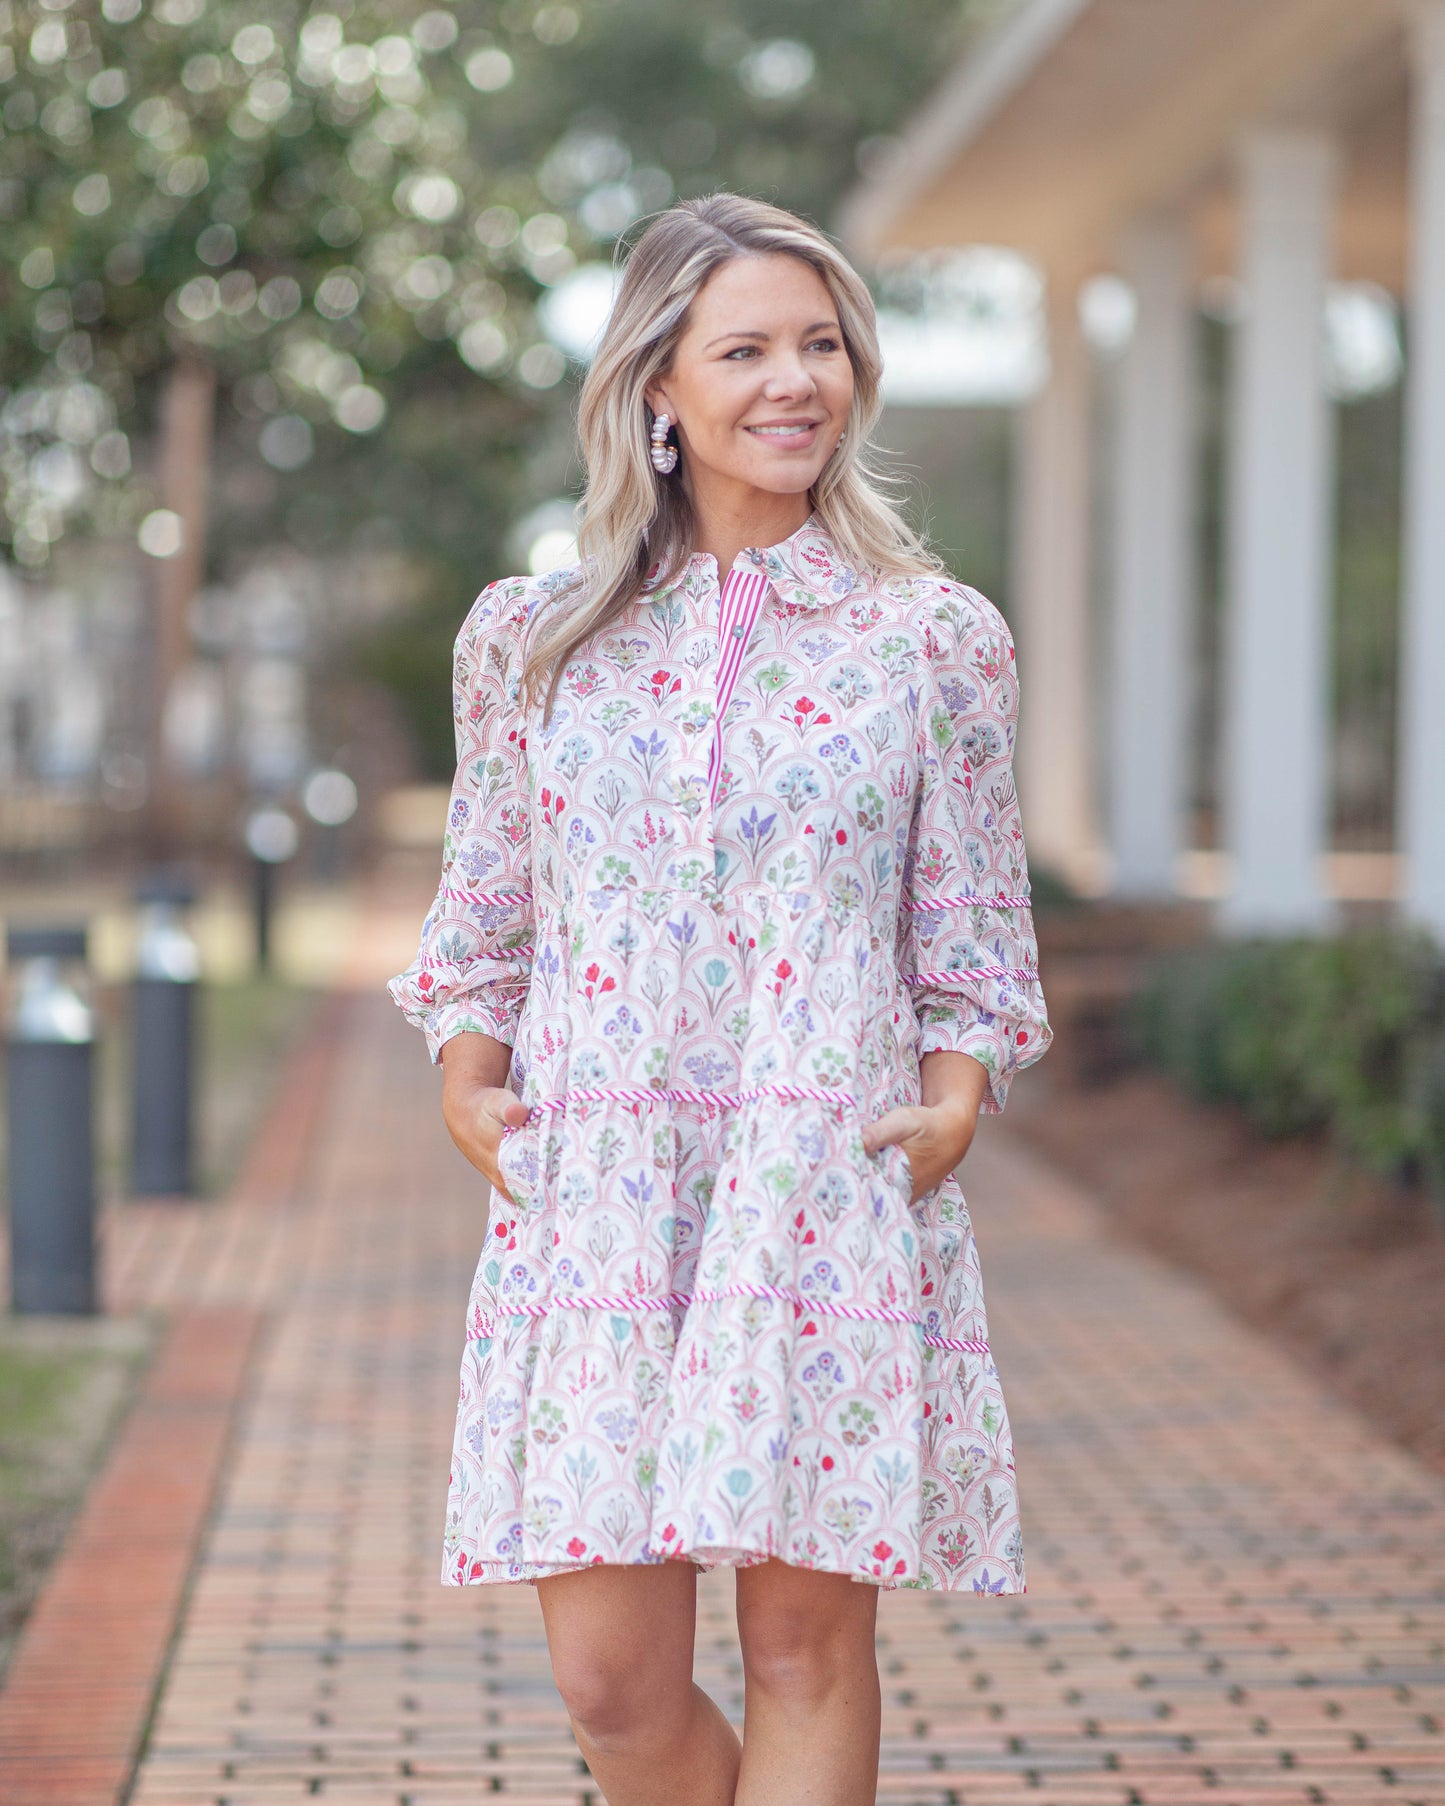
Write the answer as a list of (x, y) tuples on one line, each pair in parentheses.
[(806, 569)]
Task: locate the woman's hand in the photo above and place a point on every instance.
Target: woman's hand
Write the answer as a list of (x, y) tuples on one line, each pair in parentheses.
[(934, 1138), (475, 1102), (936, 1134)]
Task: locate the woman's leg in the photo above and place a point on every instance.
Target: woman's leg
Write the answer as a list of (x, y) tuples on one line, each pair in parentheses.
[(811, 1722), (621, 1642)]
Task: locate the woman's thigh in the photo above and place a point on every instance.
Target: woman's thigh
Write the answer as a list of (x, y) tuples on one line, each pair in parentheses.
[(803, 1632), (621, 1641)]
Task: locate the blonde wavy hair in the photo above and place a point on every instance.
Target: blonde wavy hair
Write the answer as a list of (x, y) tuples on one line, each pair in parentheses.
[(630, 515)]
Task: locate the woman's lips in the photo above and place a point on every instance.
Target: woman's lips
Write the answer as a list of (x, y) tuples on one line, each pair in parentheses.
[(794, 435)]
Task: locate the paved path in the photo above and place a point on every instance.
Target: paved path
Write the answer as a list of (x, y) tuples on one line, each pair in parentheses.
[(1236, 1591)]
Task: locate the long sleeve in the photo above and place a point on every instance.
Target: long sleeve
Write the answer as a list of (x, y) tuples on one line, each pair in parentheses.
[(474, 964), (966, 946)]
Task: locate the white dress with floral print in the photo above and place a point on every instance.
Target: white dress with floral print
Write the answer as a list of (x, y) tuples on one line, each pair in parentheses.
[(712, 1326)]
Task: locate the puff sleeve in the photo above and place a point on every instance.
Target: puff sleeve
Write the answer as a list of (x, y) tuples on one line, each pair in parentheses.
[(474, 964), (966, 947)]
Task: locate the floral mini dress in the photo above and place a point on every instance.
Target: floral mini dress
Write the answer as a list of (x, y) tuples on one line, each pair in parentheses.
[(712, 1326)]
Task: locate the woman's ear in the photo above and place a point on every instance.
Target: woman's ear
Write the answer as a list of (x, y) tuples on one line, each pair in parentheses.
[(656, 398)]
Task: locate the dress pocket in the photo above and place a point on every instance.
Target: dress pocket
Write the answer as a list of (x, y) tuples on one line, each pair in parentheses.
[(517, 1161), (891, 1160), (899, 1169)]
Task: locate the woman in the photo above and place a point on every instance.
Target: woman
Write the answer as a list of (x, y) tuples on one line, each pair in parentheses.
[(734, 885)]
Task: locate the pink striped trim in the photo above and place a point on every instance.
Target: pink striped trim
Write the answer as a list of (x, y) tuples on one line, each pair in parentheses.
[(1024, 974), (485, 896), (685, 1094), (970, 902), (822, 1307), (451, 965), (742, 598)]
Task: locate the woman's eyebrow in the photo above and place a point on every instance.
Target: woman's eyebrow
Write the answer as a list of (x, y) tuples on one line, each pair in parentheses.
[(817, 326)]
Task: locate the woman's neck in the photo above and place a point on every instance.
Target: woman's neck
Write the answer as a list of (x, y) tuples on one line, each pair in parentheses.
[(728, 523)]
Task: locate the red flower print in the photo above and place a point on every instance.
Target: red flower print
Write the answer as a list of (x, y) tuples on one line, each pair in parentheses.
[(804, 714), (828, 1464), (592, 987), (881, 1551), (576, 1546), (782, 972)]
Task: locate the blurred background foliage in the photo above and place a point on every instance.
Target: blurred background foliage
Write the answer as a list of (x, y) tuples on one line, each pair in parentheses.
[(349, 213), (1344, 1035)]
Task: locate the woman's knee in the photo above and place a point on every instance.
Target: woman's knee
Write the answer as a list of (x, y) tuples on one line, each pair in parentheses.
[(801, 1645), (619, 1705), (625, 1682)]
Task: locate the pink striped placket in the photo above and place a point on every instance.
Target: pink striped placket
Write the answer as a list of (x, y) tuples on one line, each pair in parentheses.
[(742, 597)]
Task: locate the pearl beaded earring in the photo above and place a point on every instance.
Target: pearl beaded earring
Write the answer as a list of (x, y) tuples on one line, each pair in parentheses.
[(664, 456)]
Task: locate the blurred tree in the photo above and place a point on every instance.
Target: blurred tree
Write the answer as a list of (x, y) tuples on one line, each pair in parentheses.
[(343, 217)]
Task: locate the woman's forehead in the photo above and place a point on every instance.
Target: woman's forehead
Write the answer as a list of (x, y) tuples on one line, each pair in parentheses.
[(768, 292)]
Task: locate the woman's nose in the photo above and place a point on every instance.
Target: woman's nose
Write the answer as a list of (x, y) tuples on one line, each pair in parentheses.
[(788, 377)]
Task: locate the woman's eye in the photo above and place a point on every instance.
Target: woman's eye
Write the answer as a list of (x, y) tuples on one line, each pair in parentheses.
[(827, 344), (742, 351)]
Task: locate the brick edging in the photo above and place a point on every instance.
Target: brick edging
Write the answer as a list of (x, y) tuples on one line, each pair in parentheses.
[(82, 1682), (275, 1164)]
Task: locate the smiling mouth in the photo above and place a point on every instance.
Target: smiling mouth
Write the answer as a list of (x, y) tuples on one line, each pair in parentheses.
[(792, 429)]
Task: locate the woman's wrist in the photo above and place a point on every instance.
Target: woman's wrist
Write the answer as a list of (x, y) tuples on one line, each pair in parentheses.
[(471, 1060), (954, 1084)]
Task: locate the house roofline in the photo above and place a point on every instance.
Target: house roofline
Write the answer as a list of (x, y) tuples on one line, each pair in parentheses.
[(972, 91)]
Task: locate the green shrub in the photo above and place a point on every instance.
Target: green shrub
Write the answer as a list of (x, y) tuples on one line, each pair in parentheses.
[(1345, 1034)]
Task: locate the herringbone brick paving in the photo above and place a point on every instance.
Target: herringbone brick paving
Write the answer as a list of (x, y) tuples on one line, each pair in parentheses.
[(1236, 1589)]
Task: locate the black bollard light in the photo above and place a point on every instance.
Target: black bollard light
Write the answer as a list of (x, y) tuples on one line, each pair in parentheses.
[(163, 1038), (50, 1064), (272, 837)]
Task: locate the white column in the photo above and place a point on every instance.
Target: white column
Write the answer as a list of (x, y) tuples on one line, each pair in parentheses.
[(1275, 765), (1422, 637), (1153, 590), (1050, 584)]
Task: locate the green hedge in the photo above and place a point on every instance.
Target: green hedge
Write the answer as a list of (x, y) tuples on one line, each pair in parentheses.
[(1345, 1035)]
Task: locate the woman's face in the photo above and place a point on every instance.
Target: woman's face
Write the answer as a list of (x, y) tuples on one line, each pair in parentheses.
[(760, 383)]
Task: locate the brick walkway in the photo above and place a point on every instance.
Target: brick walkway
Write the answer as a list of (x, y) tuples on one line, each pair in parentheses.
[(1236, 1592)]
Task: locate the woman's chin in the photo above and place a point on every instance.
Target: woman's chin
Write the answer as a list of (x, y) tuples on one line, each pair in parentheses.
[(780, 476)]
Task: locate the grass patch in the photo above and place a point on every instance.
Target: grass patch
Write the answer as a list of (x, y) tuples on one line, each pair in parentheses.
[(246, 1029), (64, 1386)]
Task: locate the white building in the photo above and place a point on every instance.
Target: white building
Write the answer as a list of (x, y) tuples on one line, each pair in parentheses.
[(1285, 144)]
